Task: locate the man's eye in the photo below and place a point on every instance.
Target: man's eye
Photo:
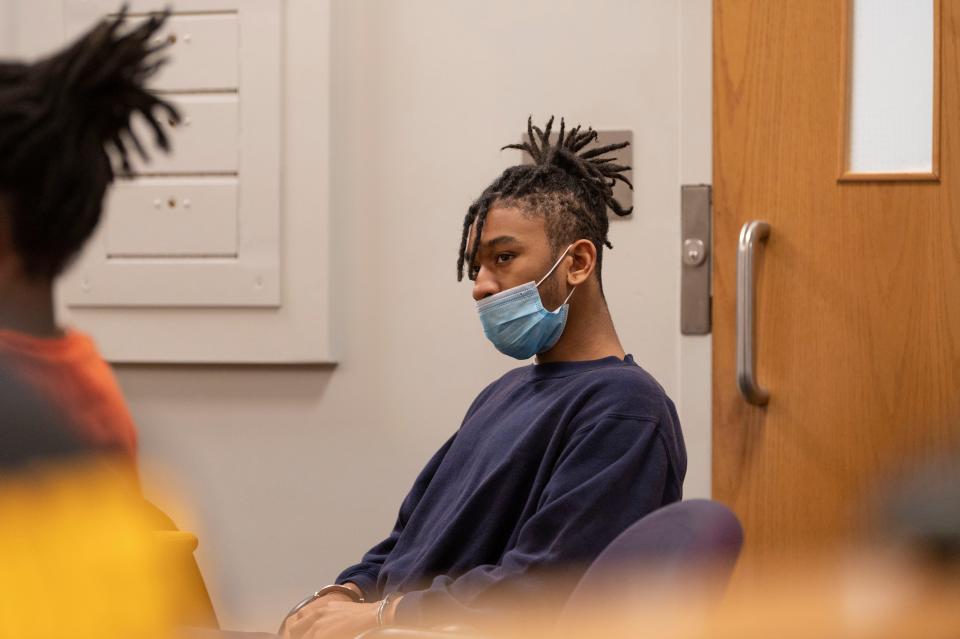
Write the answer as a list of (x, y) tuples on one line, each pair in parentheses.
[(504, 257)]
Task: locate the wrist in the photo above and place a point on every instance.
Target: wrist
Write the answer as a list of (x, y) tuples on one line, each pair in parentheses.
[(350, 591), (351, 594), (356, 589), (390, 617), (342, 592), (337, 596), (387, 612)]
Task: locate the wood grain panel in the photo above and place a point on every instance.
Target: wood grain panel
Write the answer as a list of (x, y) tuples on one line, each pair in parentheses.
[(858, 308)]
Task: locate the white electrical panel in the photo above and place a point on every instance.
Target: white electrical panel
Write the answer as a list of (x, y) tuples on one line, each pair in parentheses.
[(208, 140), (207, 255), (209, 212), (199, 222), (205, 49)]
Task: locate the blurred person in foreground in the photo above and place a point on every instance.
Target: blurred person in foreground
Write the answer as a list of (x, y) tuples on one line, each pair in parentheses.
[(77, 552), (59, 116), (61, 119)]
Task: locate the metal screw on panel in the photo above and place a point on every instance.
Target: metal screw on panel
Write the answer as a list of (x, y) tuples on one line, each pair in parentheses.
[(694, 252), (187, 203), (157, 203)]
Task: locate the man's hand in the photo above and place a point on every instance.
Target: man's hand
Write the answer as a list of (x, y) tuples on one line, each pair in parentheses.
[(332, 616), (332, 596)]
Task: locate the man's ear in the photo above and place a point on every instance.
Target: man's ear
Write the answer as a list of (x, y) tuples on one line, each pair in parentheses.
[(584, 255)]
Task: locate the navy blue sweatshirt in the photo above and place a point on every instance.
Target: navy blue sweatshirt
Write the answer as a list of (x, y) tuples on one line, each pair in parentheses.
[(551, 463)]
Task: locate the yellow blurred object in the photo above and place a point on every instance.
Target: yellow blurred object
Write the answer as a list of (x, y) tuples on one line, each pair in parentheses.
[(79, 560), (192, 604), (177, 541)]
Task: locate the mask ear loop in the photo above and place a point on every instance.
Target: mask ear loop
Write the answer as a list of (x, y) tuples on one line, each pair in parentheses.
[(554, 267), (550, 272), (566, 300)]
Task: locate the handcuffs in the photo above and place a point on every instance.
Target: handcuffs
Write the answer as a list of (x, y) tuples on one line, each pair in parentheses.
[(326, 590), (343, 590)]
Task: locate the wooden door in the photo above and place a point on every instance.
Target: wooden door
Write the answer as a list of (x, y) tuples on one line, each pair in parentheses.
[(858, 285)]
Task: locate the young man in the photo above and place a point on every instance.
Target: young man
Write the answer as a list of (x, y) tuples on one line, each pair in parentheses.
[(57, 116), (553, 460)]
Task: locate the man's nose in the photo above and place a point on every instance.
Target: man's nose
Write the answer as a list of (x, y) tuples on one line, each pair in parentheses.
[(484, 285)]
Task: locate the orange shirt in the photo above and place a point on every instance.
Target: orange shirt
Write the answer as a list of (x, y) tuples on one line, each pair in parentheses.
[(70, 372)]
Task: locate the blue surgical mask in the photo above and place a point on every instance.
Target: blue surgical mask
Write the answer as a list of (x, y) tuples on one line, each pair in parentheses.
[(516, 322)]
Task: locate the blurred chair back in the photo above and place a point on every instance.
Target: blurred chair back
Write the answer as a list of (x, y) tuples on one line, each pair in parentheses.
[(671, 544), (668, 546)]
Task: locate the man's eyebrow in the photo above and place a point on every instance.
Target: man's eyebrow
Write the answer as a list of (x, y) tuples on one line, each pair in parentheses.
[(500, 241)]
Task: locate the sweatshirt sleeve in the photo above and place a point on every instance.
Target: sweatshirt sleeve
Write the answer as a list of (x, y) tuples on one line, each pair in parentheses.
[(609, 475), (366, 573)]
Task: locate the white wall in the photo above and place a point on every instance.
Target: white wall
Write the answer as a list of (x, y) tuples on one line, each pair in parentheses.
[(8, 34), (694, 392), (293, 472)]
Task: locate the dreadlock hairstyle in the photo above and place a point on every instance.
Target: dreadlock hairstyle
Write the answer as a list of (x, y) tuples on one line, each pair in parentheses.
[(57, 118), (572, 189)]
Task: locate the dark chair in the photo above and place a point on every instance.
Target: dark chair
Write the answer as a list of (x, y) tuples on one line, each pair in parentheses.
[(668, 547)]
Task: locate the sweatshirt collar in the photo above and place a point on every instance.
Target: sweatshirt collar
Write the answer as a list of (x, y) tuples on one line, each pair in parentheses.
[(565, 369)]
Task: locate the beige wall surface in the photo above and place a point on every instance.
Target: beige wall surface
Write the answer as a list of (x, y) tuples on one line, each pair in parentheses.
[(289, 473), (8, 42)]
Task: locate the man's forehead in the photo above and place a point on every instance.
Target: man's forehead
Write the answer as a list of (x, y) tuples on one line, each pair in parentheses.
[(508, 224)]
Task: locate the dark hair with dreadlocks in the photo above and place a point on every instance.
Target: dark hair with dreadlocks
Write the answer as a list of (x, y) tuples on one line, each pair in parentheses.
[(57, 116), (571, 189)]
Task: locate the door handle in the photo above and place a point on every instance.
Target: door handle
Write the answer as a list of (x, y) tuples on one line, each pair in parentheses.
[(751, 234)]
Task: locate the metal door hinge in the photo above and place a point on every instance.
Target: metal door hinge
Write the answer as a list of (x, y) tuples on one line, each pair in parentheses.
[(695, 238)]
